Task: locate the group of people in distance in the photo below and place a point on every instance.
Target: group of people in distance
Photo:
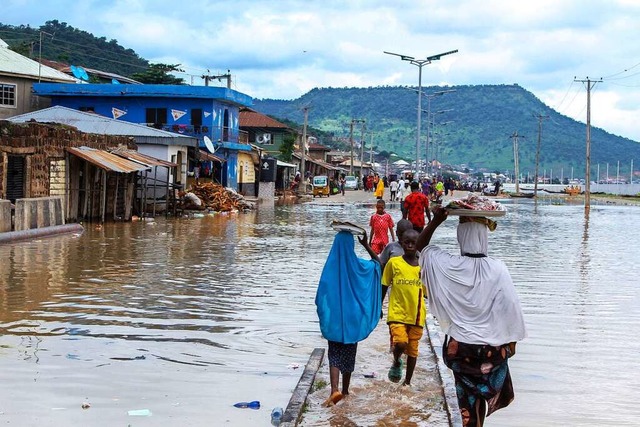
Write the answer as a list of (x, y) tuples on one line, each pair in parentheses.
[(471, 295)]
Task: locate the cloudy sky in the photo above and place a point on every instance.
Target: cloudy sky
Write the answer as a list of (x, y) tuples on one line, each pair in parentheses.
[(283, 48)]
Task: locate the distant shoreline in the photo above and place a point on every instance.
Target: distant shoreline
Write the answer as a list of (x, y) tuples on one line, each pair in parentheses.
[(598, 198)]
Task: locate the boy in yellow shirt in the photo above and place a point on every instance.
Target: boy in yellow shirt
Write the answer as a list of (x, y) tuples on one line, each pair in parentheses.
[(407, 309)]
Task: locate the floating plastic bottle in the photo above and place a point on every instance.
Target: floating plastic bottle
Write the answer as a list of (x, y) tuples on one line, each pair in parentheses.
[(276, 416), (253, 405)]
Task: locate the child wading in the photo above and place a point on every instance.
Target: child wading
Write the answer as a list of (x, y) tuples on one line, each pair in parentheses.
[(407, 309), (381, 224), (348, 303)]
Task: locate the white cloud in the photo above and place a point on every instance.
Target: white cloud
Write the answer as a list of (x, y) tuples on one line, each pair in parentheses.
[(283, 48)]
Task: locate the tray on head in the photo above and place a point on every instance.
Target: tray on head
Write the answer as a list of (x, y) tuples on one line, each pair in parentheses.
[(476, 212), (347, 226)]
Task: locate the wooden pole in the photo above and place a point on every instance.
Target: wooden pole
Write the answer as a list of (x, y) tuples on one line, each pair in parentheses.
[(115, 199), (166, 194), (103, 201)]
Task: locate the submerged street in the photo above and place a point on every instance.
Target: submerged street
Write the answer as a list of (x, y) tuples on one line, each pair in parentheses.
[(182, 318)]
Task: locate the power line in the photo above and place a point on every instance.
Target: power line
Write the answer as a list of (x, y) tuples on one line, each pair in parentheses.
[(622, 72)]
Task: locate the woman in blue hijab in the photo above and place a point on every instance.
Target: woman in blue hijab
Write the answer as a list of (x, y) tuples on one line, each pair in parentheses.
[(349, 301)]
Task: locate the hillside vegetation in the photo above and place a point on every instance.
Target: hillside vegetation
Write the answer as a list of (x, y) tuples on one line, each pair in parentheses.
[(480, 121), (64, 43)]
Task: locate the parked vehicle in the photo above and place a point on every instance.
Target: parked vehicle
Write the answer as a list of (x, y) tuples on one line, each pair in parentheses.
[(321, 186), (350, 182)]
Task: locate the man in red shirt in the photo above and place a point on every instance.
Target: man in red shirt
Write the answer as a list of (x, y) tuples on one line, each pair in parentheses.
[(415, 206)]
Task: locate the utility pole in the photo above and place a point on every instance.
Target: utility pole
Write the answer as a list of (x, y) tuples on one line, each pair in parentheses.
[(362, 147), (351, 141), (587, 181), (302, 186), (371, 153), (208, 78), (540, 117), (516, 162), (353, 121), (40, 54)]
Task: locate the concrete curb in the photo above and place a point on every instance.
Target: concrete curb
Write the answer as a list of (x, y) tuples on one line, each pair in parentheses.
[(293, 413), (16, 236), (448, 383)]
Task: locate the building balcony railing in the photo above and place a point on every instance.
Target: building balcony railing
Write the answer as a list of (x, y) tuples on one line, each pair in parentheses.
[(216, 133)]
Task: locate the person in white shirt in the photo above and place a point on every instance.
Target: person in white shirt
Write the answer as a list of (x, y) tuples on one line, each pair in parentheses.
[(393, 188), (400, 193)]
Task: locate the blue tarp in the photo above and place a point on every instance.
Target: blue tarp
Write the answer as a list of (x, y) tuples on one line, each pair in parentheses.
[(349, 294)]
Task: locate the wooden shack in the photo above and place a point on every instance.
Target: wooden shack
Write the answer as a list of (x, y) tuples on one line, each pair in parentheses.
[(43, 160)]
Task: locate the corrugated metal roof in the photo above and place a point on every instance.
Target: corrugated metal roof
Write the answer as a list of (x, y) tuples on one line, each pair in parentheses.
[(144, 91), (66, 68), (205, 155), (138, 157), (107, 161), (95, 123), (14, 64)]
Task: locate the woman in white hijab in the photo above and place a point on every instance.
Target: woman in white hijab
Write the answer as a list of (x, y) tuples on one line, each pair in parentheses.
[(474, 299)]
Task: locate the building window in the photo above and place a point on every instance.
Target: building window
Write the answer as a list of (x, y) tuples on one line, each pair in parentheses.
[(196, 119), (87, 109), (156, 117), (7, 95)]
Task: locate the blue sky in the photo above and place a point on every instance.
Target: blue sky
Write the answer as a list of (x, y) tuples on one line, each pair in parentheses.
[(284, 48)]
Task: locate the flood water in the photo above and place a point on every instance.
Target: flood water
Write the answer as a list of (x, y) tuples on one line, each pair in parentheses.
[(185, 317)]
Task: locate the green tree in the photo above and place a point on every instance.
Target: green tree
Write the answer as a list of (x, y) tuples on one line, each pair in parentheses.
[(286, 148), (159, 74)]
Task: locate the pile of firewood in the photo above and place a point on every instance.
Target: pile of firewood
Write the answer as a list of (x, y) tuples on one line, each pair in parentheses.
[(217, 198)]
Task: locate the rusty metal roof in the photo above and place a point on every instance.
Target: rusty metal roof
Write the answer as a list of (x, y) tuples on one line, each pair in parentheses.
[(144, 159), (252, 119), (107, 161), (205, 155)]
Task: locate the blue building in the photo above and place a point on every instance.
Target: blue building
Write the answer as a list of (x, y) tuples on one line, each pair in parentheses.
[(198, 111)]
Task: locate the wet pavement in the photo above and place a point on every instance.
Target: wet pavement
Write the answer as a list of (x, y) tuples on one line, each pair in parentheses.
[(373, 399)]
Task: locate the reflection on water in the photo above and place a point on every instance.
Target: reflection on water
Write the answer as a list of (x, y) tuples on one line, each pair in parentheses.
[(186, 317)]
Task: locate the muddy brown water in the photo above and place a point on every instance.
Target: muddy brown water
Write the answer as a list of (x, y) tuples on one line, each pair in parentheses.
[(185, 317)]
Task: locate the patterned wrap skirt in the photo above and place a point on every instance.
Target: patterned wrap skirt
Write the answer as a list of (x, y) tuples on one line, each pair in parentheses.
[(483, 381)]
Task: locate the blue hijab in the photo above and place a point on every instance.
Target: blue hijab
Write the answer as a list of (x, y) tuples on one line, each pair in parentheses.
[(349, 296)]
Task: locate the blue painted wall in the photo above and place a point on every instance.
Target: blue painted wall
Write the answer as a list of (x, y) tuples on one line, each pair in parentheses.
[(134, 110), (219, 106)]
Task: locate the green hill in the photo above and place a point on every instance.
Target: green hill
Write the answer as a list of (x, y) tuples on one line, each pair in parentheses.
[(478, 135), (64, 43)]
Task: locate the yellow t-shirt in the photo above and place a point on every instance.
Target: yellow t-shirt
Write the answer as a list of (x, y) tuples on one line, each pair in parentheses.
[(406, 292)]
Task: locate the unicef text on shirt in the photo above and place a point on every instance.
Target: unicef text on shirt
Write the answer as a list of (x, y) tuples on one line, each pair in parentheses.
[(410, 282)]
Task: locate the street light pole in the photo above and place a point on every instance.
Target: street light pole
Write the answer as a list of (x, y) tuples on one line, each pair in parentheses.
[(420, 63), (433, 95)]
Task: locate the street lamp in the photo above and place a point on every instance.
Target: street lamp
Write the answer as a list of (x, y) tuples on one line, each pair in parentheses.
[(436, 148), (430, 117), (420, 63)]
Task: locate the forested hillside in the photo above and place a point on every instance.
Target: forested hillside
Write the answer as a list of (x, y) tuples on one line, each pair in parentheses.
[(471, 125), (64, 43), (480, 121)]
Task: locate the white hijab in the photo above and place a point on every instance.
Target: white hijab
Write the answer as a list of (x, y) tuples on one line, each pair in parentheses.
[(474, 299)]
